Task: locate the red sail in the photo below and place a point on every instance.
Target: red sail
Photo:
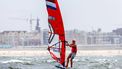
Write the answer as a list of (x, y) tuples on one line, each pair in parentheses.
[(56, 28)]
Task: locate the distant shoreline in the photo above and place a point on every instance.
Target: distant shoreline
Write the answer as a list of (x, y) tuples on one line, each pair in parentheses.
[(82, 51), (80, 47), (44, 52)]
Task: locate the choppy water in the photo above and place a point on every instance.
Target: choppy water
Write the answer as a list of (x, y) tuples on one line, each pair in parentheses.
[(86, 62)]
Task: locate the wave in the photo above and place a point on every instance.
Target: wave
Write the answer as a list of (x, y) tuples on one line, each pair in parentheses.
[(17, 61), (79, 62)]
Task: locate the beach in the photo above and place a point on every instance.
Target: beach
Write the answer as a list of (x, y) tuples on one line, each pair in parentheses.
[(44, 52)]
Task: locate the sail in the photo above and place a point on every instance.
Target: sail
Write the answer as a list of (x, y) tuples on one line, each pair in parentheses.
[(56, 46)]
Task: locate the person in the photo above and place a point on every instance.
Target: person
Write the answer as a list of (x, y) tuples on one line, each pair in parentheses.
[(72, 55)]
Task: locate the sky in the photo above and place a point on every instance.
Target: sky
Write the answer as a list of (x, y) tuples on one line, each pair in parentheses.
[(86, 15)]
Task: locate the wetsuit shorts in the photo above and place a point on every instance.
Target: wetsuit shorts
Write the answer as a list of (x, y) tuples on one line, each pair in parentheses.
[(73, 55)]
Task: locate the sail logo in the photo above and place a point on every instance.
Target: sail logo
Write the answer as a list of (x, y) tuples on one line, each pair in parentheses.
[(51, 18)]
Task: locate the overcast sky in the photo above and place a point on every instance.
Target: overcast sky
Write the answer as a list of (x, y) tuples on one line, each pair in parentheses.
[(85, 15)]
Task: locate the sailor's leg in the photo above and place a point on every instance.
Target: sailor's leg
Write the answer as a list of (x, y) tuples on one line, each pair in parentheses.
[(68, 59), (72, 57), (71, 60)]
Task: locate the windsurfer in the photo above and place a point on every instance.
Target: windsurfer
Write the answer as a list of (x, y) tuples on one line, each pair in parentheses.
[(73, 52)]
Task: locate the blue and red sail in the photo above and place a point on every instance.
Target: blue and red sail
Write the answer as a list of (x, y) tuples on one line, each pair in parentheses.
[(56, 28)]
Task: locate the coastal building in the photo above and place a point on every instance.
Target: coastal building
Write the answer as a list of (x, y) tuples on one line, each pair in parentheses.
[(40, 38), (118, 31), (94, 37), (20, 38), (37, 28), (103, 38), (79, 36), (45, 37)]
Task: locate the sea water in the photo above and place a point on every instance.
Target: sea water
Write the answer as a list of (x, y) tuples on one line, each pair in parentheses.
[(46, 62)]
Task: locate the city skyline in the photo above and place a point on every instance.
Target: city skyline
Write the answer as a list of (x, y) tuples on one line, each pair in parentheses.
[(82, 15)]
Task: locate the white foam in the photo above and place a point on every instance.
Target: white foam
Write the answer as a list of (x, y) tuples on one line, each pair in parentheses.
[(15, 61), (50, 61)]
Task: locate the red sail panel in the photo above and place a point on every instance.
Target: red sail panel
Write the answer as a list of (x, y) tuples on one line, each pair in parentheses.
[(56, 22)]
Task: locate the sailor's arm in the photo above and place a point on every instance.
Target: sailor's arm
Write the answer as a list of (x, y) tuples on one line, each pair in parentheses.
[(72, 45), (67, 44)]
